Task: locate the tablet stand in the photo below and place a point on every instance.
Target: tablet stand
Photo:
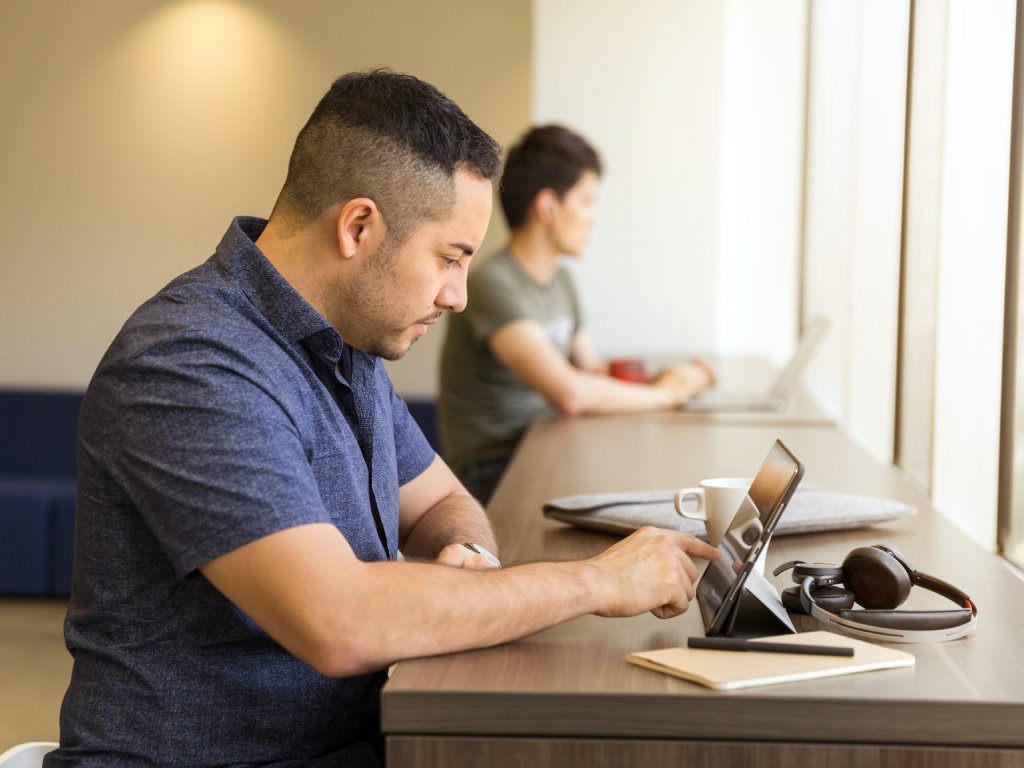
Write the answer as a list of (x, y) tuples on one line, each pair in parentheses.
[(759, 611)]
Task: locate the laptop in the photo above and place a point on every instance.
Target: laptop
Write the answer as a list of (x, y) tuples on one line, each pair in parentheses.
[(714, 400)]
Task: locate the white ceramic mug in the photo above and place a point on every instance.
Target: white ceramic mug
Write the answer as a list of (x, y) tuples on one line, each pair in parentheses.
[(718, 500)]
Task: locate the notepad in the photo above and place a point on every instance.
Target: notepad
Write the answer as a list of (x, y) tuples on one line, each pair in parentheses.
[(730, 670)]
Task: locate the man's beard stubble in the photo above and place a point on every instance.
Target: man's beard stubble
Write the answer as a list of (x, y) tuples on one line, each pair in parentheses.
[(365, 302)]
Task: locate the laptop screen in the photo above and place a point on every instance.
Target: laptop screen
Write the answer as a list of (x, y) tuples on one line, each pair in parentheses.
[(789, 379)]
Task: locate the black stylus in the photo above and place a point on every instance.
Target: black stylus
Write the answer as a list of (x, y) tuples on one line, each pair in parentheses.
[(741, 644)]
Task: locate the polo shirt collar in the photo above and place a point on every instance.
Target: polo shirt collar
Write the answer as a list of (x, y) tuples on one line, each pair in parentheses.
[(271, 294)]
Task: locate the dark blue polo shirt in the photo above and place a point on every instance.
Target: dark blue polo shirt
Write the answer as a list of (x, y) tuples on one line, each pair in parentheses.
[(217, 417)]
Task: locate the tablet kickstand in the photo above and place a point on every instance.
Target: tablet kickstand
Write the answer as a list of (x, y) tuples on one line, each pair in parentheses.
[(759, 611)]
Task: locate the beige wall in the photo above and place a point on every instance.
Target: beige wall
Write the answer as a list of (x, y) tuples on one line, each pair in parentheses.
[(133, 131)]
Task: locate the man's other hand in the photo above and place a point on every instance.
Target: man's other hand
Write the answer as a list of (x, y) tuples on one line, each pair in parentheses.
[(460, 556)]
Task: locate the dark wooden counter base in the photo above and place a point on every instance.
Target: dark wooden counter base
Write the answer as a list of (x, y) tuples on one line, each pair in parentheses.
[(455, 752)]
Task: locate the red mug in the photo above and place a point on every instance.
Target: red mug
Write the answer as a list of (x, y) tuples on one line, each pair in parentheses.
[(628, 369)]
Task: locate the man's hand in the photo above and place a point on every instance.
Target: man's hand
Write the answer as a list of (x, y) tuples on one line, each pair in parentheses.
[(709, 369), (461, 556), (434, 510), (649, 571), (684, 381)]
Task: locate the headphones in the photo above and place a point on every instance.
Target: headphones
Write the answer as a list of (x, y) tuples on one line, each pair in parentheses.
[(878, 578)]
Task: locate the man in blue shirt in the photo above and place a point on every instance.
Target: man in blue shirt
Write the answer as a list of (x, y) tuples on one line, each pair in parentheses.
[(247, 474)]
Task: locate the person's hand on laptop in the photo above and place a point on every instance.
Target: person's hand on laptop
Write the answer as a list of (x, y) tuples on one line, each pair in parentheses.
[(684, 380), (703, 362)]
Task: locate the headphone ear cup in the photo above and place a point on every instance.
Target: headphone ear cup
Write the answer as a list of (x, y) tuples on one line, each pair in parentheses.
[(833, 599), (791, 600), (876, 578), (829, 598)]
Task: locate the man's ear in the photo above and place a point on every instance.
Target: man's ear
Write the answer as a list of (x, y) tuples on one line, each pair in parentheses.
[(360, 228), (544, 205)]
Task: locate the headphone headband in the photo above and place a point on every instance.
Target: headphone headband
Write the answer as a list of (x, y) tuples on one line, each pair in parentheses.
[(947, 590)]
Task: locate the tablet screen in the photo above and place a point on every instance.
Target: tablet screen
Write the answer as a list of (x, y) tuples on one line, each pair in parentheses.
[(771, 489)]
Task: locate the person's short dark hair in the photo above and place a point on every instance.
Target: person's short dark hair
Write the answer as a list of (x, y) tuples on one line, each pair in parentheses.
[(547, 157), (392, 138)]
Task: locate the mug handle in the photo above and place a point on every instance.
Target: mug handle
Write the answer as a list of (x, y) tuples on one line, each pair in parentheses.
[(700, 513)]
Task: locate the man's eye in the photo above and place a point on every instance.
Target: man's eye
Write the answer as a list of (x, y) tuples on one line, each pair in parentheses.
[(450, 262)]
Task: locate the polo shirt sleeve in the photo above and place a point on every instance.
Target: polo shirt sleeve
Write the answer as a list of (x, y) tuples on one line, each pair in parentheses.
[(197, 437)]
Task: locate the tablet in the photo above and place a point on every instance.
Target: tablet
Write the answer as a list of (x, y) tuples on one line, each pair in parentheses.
[(719, 589)]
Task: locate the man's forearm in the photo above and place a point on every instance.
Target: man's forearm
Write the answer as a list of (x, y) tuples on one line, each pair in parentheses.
[(455, 519), (441, 610), (424, 609), (306, 588), (596, 393)]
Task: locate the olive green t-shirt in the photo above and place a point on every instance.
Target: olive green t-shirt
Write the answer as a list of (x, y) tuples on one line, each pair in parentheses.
[(485, 408)]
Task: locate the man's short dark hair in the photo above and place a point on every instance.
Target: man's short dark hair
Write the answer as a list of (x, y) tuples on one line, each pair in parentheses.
[(547, 157), (392, 138)]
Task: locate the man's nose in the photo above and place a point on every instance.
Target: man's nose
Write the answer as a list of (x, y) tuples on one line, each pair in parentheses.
[(453, 295)]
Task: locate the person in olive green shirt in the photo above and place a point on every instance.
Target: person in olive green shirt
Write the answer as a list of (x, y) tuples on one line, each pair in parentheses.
[(520, 349)]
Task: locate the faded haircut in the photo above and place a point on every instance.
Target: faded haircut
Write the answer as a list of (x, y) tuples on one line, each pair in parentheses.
[(392, 138)]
